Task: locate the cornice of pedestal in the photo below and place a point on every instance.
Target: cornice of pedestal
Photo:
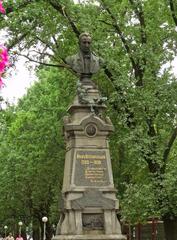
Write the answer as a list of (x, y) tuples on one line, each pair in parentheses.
[(102, 125)]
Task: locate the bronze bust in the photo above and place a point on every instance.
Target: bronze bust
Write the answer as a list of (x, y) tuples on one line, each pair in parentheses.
[(85, 63)]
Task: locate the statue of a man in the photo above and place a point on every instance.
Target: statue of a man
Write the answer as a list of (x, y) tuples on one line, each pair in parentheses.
[(85, 63)]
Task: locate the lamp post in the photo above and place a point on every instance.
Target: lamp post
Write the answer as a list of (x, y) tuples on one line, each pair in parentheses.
[(44, 219), (20, 227), (54, 229), (5, 230)]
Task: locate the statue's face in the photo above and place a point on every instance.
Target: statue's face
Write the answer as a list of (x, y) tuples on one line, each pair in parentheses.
[(85, 44)]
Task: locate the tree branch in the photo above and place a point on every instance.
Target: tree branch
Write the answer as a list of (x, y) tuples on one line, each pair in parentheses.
[(169, 147), (62, 65), (140, 15), (56, 43), (47, 45), (42, 41), (172, 8), (130, 115), (136, 66), (16, 40), (44, 54), (118, 30), (107, 23), (61, 9)]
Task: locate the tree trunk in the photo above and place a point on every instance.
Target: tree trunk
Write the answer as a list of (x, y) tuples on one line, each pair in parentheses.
[(36, 234), (49, 232), (170, 228), (36, 230)]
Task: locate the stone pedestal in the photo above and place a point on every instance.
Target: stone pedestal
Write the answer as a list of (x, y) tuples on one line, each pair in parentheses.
[(89, 197)]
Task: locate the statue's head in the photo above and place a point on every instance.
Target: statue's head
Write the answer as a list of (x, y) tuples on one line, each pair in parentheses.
[(85, 42)]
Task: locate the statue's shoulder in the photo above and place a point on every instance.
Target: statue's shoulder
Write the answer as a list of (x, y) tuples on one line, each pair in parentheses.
[(100, 60), (70, 59), (94, 56)]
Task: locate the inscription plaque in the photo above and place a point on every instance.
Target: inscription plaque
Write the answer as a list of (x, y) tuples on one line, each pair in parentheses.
[(91, 168), (93, 221)]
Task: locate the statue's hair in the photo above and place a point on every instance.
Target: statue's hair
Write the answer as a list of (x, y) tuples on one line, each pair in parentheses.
[(84, 34)]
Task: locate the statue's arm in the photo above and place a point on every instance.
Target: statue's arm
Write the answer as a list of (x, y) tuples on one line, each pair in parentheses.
[(69, 60)]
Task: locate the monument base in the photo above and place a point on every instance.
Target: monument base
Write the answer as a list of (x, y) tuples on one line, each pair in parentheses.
[(92, 236), (89, 202)]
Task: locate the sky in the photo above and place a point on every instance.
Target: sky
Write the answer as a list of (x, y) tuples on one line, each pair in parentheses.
[(17, 81)]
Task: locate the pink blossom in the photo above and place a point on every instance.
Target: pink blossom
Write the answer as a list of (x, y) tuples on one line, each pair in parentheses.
[(4, 61), (2, 67), (2, 10), (3, 53), (1, 83)]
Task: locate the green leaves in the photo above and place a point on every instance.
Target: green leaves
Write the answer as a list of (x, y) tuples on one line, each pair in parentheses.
[(140, 199), (32, 150)]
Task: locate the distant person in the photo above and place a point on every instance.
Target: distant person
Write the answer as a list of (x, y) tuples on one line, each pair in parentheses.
[(19, 238), (10, 237)]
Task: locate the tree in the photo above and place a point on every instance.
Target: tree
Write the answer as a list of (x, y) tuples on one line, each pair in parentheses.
[(33, 167), (139, 43)]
